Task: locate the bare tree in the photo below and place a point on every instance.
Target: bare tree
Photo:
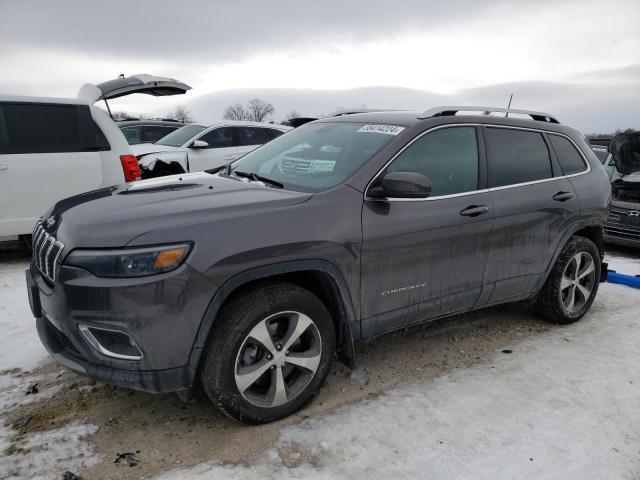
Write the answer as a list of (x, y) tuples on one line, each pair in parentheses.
[(181, 114), (235, 112), (291, 115), (258, 110)]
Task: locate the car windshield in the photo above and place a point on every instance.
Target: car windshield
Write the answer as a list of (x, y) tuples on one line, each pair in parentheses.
[(316, 156), (179, 137), (601, 153)]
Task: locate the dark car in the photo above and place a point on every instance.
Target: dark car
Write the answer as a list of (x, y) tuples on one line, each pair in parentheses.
[(249, 278), (623, 168), (147, 131)]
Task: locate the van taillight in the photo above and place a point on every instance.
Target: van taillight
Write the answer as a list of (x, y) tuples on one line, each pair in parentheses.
[(130, 168)]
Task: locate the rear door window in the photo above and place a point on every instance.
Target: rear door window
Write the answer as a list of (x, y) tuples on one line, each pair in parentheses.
[(251, 136), (448, 157), (569, 158), (219, 138), (516, 156), (40, 128), (273, 133)]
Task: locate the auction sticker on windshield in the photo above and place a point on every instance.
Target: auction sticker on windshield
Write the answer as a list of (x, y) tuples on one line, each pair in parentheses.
[(386, 129)]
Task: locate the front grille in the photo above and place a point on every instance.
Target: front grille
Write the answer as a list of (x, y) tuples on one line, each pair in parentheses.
[(46, 252), (620, 224)]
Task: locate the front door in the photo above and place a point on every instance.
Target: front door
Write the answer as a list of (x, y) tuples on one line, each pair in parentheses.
[(426, 258), (219, 150)]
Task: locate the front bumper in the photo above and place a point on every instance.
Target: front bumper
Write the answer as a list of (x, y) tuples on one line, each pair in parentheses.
[(161, 313)]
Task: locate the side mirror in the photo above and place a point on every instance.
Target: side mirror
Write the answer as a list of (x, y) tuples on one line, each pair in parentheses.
[(199, 144), (402, 185)]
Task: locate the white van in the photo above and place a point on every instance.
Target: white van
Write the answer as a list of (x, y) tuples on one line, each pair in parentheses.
[(52, 148)]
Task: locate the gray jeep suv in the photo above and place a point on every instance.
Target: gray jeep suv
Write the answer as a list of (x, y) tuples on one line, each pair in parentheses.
[(249, 279)]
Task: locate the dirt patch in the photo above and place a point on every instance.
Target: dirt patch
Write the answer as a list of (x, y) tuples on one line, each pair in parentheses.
[(164, 432)]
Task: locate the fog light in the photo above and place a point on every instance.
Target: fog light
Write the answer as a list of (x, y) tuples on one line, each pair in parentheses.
[(112, 343)]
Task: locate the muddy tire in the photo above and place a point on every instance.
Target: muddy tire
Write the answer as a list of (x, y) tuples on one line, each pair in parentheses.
[(269, 354), (572, 284)]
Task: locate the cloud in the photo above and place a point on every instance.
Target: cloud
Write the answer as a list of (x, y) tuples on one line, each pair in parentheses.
[(217, 32)]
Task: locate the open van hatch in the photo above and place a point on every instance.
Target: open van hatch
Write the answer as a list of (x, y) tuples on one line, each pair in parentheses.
[(139, 83)]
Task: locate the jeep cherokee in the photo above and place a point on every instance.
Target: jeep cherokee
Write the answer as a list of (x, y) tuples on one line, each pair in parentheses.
[(247, 280)]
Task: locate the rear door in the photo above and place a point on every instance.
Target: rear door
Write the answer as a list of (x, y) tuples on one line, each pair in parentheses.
[(47, 152), (250, 138), (219, 150), (534, 205), (426, 258)]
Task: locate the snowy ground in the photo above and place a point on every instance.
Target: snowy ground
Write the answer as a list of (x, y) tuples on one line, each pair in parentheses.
[(563, 404)]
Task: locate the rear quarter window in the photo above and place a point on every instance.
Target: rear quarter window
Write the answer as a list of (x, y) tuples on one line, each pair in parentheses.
[(516, 156), (569, 158), (48, 128)]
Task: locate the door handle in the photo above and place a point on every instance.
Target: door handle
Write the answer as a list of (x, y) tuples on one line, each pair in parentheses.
[(4, 167), (562, 196), (474, 210)]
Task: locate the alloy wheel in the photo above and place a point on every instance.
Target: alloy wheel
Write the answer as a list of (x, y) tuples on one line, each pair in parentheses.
[(577, 282), (278, 359)]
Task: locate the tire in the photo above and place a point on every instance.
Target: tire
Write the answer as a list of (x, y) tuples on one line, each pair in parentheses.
[(293, 327), (576, 272)]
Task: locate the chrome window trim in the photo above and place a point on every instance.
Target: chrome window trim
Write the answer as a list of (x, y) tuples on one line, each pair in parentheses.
[(474, 192), (93, 341)]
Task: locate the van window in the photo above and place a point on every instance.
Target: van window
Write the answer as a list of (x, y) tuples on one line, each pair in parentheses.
[(569, 158), (132, 134), (153, 133), (39, 128), (449, 157), (516, 156)]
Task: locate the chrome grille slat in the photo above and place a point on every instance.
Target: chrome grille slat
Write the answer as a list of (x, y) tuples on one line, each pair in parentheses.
[(46, 252)]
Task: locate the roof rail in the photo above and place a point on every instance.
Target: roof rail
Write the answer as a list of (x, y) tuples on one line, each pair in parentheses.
[(452, 110)]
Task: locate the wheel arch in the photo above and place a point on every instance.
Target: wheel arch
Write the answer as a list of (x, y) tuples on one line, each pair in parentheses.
[(320, 277), (590, 230)]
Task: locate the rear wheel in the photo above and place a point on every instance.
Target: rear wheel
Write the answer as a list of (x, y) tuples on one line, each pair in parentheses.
[(270, 354), (573, 283)]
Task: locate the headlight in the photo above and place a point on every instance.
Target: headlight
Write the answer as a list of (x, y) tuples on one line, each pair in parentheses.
[(130, 262)]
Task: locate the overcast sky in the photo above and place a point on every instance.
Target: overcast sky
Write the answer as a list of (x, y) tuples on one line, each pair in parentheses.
[(51, 48)]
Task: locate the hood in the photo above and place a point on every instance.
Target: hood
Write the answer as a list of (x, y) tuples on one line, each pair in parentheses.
[(145, 148), (625, 148), (139, 83), (627, 188), (113, 217)]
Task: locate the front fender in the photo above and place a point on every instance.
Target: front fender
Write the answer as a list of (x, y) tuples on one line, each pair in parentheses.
[(348, 323)]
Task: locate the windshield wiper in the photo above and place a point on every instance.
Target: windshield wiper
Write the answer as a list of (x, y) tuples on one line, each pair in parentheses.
[(226, 167), (258, 178)]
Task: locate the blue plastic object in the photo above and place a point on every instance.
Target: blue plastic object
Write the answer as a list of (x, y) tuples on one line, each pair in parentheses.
[(630, 280)]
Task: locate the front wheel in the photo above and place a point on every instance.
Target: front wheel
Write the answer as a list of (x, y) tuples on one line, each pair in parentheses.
[(270, 354), (573, 283)]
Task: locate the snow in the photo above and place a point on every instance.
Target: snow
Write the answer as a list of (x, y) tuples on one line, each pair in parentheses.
[(564, 404), (20, 346), (45, 454)]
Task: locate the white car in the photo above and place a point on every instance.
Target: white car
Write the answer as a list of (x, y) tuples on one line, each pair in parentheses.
[(53, 148), (194, 147)]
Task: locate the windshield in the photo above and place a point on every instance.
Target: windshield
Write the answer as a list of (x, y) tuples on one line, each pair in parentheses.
[(179, 137), (316, 156), (601, 153)]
